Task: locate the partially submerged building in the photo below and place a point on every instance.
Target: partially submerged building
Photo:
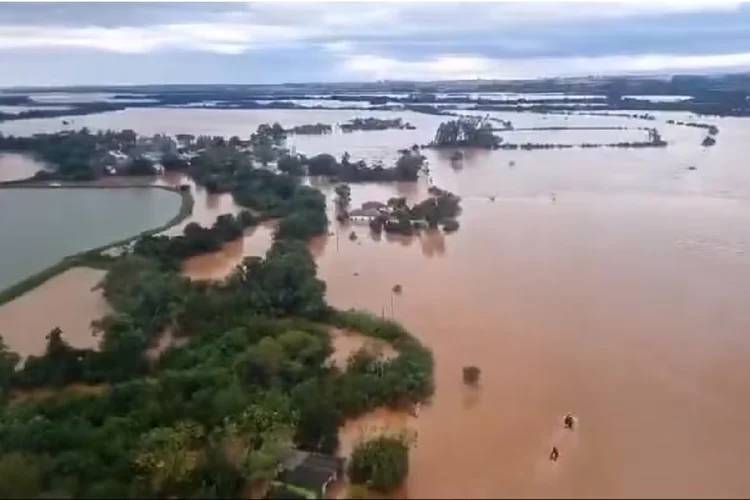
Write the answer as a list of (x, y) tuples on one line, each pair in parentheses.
[(364, 215), (309, 474)]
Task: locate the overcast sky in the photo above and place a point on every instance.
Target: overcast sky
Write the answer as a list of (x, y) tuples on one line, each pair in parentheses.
[(119, 43)]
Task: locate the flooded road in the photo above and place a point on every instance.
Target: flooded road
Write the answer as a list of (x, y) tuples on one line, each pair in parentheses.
[(622, 301)]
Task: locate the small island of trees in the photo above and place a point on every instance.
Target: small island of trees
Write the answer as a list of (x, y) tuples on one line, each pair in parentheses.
[(375, 124), (466, 131), (441, 208)]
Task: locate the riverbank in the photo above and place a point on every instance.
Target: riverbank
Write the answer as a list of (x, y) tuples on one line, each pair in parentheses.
[(92, 258)]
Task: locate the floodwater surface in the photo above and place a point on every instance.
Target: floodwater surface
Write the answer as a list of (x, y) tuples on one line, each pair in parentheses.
[(41, 226), (14, 167), (68, 301), (621, 299)]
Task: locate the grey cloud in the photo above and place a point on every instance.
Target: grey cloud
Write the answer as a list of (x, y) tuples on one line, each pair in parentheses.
[(114, 14)]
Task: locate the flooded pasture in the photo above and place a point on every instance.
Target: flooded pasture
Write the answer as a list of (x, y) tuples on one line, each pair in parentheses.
[(620, 299)]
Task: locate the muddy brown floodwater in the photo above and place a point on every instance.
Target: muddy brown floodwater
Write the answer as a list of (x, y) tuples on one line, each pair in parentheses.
[(69, 301), (14, 167), (622, 301)]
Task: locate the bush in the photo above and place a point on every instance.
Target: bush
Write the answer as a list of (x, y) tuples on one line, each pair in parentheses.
[(471, 375), (381, 463)]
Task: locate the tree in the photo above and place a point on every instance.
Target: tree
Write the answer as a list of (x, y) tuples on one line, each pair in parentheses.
[(59, 365), (141, 166), (170, 456), (247, 219), (322, 164), (8, 363), (409, 164), (381, 463), (123, 347), (291, 165), (467, 131), (471, 375), (171, 161), (343, 196)]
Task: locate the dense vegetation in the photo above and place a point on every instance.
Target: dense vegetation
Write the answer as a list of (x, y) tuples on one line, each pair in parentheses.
[(441, 207), (211, 416), (195, 239), (83, 155), (381, 464), (375, 124), (466, 131), (89, 108)]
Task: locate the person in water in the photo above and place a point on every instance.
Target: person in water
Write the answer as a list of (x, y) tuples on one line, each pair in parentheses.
[(568, 421), (553, 456)]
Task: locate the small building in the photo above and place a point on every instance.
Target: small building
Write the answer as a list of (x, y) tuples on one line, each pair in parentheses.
[(364, 214), (312, 472)]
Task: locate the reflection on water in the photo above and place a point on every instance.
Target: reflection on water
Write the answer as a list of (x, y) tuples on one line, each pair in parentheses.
[(623, 302)]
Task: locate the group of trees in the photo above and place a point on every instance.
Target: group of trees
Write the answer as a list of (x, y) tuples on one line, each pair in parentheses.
[(381, 464), (195, 239), (375, 124), (79, 109), (441, 207), (211, 416), (84, 155), (466, 131), (408, 165), (710, 128), (654, 140), (73, 153)]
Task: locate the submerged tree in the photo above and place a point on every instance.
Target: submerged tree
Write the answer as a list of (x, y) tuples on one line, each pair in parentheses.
[(467, 131), (471, 375), (343, 196)]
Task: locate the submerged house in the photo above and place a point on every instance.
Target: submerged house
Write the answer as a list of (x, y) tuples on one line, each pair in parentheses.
[(364, 215), (309, 474)]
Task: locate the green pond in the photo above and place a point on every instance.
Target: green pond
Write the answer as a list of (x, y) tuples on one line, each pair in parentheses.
[(41, 226)]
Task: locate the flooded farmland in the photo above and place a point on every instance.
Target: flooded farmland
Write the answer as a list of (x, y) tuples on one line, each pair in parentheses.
[(621, 299)]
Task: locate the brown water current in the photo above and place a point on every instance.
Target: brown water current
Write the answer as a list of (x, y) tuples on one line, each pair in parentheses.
[(622, 301)]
